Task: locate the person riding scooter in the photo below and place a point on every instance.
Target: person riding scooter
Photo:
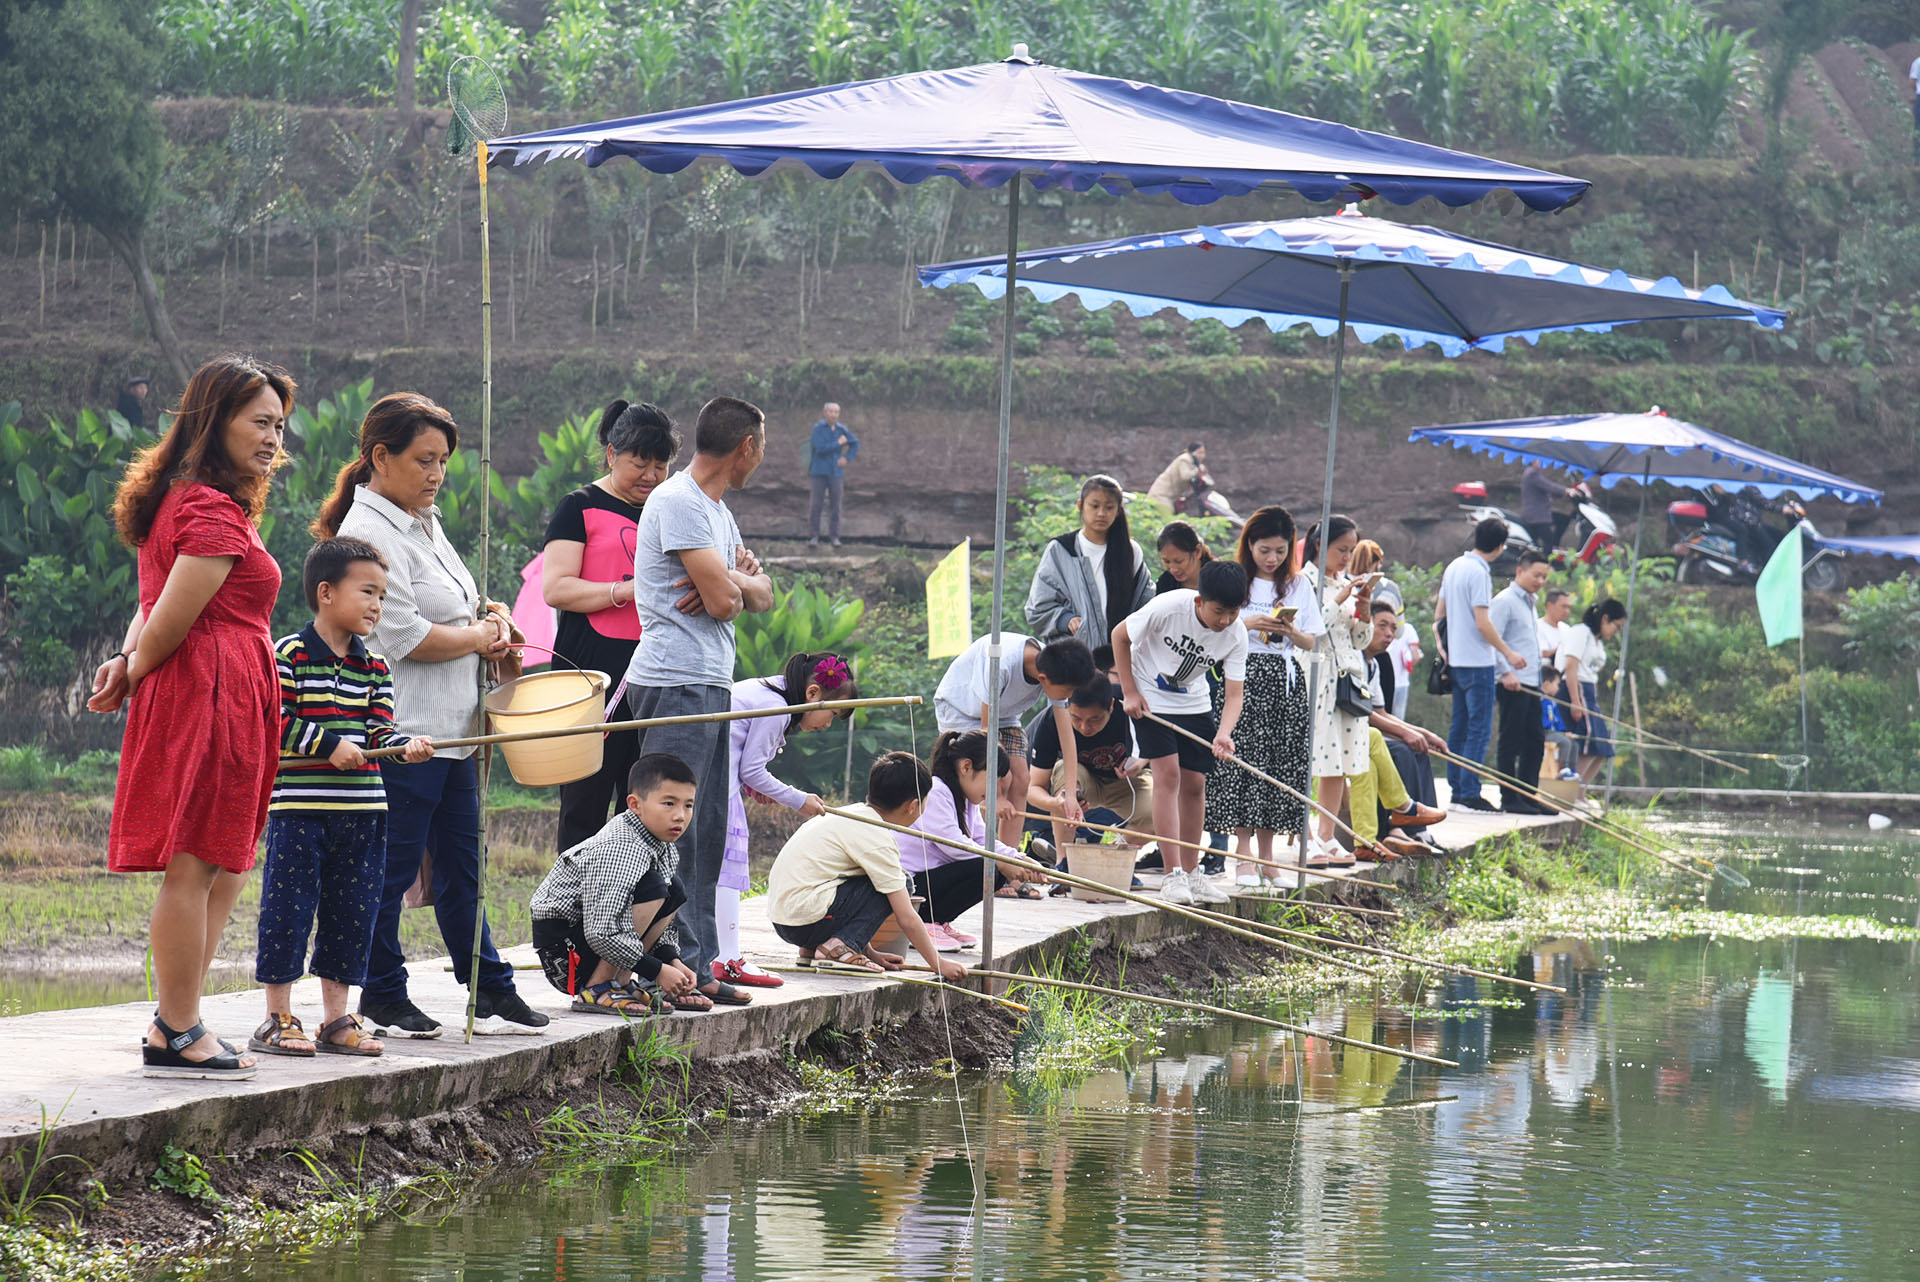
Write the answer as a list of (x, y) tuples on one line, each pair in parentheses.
[(1742, 517)]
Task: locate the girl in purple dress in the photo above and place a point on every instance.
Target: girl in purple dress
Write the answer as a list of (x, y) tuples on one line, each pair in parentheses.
[(756, 741)]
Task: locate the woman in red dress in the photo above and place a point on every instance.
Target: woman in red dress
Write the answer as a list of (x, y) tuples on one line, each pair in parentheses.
[(197, 676)]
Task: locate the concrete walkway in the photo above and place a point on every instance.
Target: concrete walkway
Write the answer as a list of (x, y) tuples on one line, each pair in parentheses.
[(83, 1066)]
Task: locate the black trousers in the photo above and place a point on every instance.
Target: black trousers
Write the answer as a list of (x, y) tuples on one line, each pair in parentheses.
[(1522, 742), (586, 803), (854, 915), (947, 890)]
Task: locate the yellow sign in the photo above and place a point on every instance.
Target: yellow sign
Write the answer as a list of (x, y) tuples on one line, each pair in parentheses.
[(950, 603)]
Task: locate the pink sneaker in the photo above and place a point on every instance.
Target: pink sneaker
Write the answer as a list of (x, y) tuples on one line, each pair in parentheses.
[(960, 937), (739, 971), (943, 942)]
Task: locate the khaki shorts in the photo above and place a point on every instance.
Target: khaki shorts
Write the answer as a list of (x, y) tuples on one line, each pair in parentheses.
[(1131, 799)]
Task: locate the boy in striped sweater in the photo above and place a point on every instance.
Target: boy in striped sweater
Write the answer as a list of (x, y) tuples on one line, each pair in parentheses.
[(327, 821)]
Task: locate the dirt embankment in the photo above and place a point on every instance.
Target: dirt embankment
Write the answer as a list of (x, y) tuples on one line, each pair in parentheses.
[(159, 1227)]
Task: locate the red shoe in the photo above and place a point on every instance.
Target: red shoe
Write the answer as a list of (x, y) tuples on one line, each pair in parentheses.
[(745, 973)]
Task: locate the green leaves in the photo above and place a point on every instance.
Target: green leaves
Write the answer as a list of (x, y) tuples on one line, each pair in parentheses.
[(802, 619)]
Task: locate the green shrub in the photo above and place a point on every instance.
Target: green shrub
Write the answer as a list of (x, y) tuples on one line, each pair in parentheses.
[(1027, 343), (1097, 324), (1159, 351), (1155, 327), (963, 337), (1288, 342), (1883, 624), (1104, 348), (1209, 337)]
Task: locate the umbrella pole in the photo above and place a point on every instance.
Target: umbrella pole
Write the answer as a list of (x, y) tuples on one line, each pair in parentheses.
[(1626, 631), (1326, 515), (486, 534), (992, 815)]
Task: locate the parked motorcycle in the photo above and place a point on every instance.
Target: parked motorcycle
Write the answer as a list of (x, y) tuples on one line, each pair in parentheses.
[(1589, 527), (1730, 542), (1204, 500)]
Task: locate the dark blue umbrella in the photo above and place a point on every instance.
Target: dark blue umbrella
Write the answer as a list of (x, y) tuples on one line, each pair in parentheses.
[(992, 124), (1610, 448)]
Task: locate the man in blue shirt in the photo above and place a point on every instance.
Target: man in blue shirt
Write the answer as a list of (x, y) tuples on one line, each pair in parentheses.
[(1469, 643), (1522, 738), (834, 446)]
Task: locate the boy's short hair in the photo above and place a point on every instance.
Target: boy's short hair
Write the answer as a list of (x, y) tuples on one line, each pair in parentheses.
[(1224, 583), (1066, 662), (1549, 673), (724, 422), (656, 768), (1490, 535), (895, 779), (1555, 594), (1533, 556), (1097, 693), (329, 560)]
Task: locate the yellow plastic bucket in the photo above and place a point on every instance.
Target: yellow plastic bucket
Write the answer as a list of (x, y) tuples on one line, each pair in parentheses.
[(550, 701)]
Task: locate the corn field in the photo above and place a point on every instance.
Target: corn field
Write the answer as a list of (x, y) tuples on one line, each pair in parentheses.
[(1630, 76)]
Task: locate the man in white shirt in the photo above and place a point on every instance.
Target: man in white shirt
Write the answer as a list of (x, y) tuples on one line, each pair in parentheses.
[(1522, 741), (1469, 643), (1554, 609)]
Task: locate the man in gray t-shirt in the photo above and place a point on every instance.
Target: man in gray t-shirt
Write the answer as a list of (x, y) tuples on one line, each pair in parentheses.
[(1469, 641), (692, 578)]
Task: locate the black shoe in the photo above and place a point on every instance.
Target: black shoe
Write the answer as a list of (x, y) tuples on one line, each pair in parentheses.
[(1476, 803), (401, 1017), (1040, 850), (1214, 862), (1521, 806), (505, 1012), (1149, 861)]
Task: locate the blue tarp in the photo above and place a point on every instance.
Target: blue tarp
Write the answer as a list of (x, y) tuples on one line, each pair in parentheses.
[(1906, 545), (1610, 448), (984, 124), (1419, 284)]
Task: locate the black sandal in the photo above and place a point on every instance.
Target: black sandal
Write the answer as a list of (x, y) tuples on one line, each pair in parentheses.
[(167, 1061), (725, 994)]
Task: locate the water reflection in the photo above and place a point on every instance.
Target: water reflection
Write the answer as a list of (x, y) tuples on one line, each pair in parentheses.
[(1691, 1108)]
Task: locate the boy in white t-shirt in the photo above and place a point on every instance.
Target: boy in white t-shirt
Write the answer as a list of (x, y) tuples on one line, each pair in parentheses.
[(1161, 653)]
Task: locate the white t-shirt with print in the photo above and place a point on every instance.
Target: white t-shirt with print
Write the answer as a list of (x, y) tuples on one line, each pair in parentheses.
[(1171, 651), (963, 690)]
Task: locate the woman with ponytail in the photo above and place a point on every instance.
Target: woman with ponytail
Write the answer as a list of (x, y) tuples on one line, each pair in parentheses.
[(1340, 743), (436, 629), (586, 576), (196, 674), (753, 744), (1583, 657), (1090, 578), (947, 880)]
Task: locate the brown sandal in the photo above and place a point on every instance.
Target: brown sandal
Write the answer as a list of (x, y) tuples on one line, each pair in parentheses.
[(836, 955), (347, 1036), (272, 1036)]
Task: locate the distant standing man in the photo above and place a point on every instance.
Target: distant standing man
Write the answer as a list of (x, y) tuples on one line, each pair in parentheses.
[(834, 446), (1517, 696), (1470, 644), (132, 405)]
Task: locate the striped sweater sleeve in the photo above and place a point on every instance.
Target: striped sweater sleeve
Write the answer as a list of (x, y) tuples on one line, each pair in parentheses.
[(299, 736), (381, 732)]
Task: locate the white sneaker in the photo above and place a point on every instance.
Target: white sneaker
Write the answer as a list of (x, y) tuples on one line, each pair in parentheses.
[(1201, 887), (1174, 887), (1248, 882)]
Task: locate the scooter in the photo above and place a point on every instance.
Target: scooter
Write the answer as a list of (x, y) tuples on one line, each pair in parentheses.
[(1204, 500), (1706, 544), (1592, 530)]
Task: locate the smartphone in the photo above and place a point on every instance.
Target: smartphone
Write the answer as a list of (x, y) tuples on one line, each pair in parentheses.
[(1285, 613), (1368, 581)]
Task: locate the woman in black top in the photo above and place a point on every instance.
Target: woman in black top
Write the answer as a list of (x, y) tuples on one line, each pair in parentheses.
[(587, 577), (1182, 554)]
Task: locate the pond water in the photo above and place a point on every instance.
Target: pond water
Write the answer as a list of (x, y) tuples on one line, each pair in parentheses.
[(1692, 1108)]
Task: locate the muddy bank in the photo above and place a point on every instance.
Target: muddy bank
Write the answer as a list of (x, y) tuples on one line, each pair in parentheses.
[(400, 1165)]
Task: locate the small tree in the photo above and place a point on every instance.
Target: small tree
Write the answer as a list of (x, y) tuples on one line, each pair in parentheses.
[(76, 81)]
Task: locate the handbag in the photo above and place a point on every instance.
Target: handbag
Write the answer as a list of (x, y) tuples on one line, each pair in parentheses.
[(1439, 671), (1351, 697)]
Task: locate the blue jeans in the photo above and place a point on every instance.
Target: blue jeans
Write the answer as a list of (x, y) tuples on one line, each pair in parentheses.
[(432, 803), (1472, 728)]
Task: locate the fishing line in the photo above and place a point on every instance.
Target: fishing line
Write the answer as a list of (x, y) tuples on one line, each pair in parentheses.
[(946, 1016)]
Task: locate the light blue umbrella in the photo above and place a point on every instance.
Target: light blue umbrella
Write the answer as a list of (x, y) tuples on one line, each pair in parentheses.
[(1610, 448), (1901, 545), (992, 124)]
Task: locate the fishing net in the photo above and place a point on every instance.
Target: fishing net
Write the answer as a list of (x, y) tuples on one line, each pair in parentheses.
[(1732, 876), (479, 104)]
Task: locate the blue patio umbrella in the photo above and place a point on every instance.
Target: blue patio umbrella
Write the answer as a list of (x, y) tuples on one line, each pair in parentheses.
[(991, 124), (1610, 448), (1419, 284), (1902, 545)]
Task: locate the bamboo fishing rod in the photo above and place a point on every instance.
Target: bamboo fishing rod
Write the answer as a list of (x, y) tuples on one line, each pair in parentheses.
[(1178, 910), (608, 727), (1648, 735), (897, 977), (1263, 777), (1554, 804), (1224, 1012), (1191, 845)]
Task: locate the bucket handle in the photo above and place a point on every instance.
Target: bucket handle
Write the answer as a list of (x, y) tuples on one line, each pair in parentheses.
[(529, 645)]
